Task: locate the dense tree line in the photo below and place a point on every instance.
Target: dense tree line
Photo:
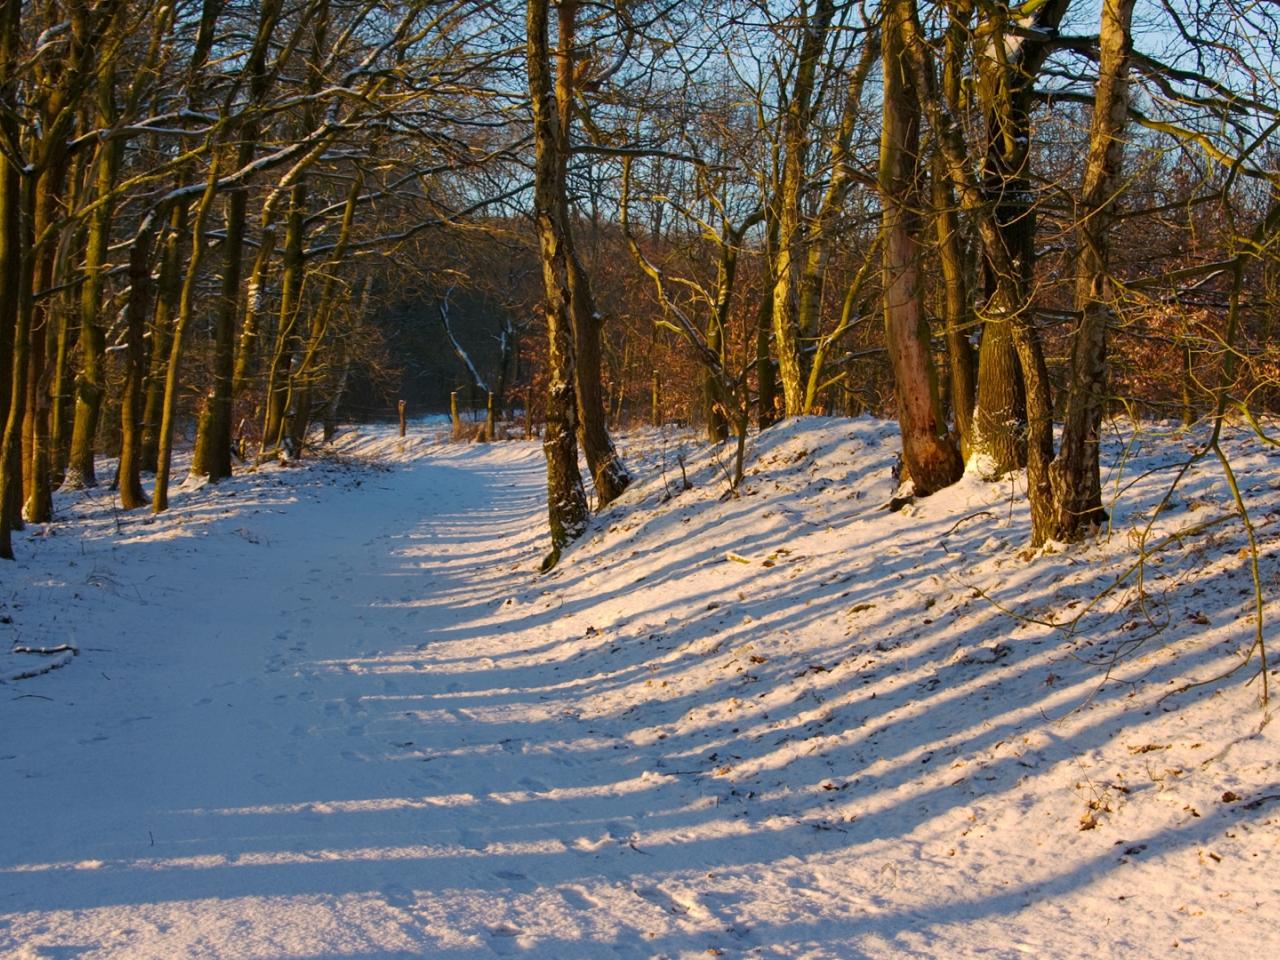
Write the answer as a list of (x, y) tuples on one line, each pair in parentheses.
[(986, 218)]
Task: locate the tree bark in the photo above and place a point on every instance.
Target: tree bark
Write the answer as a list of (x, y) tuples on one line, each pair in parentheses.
[(931, 456), (566, 498), (955, 310), (608, 473), (129, 469), (169, 408), (797, 122), (12, 369), (1075, 472)]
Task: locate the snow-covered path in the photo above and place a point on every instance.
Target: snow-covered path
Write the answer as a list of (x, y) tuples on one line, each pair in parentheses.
[(331, 713), (288, 745)]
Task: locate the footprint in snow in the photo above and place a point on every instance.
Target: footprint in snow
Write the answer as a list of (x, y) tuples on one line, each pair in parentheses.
[(398, 896), (515, 880), (578, 898), (503, 939)]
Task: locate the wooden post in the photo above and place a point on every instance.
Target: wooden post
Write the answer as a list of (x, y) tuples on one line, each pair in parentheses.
[(491, 420), (528, 412), (453, 414), (402, 423), (655, 415)]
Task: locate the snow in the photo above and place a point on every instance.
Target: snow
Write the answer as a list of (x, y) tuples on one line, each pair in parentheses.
[(331, 710)]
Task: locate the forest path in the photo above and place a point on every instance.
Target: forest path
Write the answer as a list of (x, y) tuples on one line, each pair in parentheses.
[(307, 744)]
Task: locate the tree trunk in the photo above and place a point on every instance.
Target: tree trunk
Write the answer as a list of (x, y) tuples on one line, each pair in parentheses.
[(566, 498), (38, 507), (955, 310), (607, 470), (286, 337), (167, 308), (766, 368), (212, 455), (129, 470), (791, 248), (931, 456), (1075, 473), (169, 409), (13, 335)]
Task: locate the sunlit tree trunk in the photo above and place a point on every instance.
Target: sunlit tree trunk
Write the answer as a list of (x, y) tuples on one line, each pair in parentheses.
[(186, 304), (608, 473), (1074, 474), (291, 280), (566, 498), (797, 122), (929, 451)]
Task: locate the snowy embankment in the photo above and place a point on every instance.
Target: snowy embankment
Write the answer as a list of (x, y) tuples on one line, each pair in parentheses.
[(332, 712)]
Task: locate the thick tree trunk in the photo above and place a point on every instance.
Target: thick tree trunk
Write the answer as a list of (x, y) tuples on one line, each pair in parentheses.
[(212, 455), (1075, 473), (931, 456)]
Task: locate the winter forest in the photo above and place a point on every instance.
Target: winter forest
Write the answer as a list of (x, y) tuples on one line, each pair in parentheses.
[(639, 479)]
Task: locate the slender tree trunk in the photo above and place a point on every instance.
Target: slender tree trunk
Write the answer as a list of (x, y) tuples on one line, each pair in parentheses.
[(931, 456), (608, 473), (63, 309), (286, 331), (797, 122), (169, 409), (212, 455), (39, 494), (129, 470), (304, 376), (566, 498), (766, 368), (955, 310), (11, 338), (15, 320), (1075, 473), (713, 403), (167, 309)]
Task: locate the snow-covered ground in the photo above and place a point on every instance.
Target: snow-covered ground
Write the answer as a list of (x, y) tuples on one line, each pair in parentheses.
[(331, 711)]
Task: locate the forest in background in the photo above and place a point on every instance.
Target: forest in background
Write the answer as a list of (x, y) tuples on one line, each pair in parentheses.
[(228, 220)]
